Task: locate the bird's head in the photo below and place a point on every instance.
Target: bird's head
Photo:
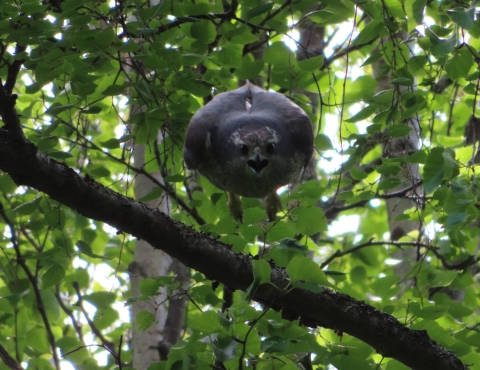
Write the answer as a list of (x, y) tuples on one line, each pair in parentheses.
[(256, 148)]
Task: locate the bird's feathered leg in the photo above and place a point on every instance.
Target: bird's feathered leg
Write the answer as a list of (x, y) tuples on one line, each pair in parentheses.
[(235, 206), (272, 205)]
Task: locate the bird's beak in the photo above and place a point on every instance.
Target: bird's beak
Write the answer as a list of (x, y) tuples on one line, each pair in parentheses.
[(257, 162)]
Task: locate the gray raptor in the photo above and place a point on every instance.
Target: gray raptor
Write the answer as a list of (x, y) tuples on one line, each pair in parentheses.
[(250, 142)]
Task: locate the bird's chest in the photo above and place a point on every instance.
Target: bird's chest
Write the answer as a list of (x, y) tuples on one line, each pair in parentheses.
[(236, 176)]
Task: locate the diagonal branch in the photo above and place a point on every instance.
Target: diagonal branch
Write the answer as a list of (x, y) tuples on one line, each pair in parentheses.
[(29, 167), (8, 360)]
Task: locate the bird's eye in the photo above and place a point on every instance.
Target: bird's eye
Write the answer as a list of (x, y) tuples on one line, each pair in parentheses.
[(270, 148), (244, 149)]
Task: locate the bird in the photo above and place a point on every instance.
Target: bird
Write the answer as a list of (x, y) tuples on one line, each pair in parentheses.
[(249, 142)]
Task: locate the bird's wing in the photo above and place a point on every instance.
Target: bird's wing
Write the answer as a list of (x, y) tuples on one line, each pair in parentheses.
[(207, 121), (288, 119)]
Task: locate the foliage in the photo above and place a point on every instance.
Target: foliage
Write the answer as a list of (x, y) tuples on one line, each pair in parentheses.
[(84, 64)]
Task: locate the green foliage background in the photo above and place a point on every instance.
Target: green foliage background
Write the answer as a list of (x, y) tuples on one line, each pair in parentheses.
[(86, 63)]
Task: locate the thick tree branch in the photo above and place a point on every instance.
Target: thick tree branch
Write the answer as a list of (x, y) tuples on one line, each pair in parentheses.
[(29, 167)]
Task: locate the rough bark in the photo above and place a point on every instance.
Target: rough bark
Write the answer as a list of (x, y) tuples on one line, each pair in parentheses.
[(29, 167)]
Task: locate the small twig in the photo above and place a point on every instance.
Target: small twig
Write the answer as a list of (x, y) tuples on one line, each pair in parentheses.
[(458, 266), (105, 343), (244, 341), (69, 312), (33, 281), (334, 210)]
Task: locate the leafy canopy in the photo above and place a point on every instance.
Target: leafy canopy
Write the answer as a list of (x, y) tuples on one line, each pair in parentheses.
[(84, 65)]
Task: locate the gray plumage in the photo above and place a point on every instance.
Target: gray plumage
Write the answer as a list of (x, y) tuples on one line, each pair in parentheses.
[(249, 142)]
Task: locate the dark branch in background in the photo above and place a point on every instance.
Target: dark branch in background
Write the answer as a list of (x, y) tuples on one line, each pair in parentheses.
[(333, 211), (13, 70), (33, 281), (8, 360), (105, 343), (211, 17), (69, 312), (462, 265), (8, 113), (274, 14), (29, 167), (344, 52)]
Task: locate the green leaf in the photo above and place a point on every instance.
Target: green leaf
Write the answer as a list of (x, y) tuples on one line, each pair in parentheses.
[(203, 31), (114, 90), (439, 47), (144, 320), (418, 157), (383, 287), (55, 218), (358, 174), (175, 178), (205, 322), (28, 208), (253, 215), (110, 143), (197, 88), (310, 220), (363, 114), (230, 56), (429, 312), (277, 54), (304, 269), (418, 7), (46, 254), (261, 275), (93, 110), (33, 88), (100, 171), (100, 299), (225, 349), (87, 250), (311, 64), (149, 287), (433, 170), (259, 10), (53, 276), (56, 109), (323, 142), (459, 64), (261, 271), (320, 16), (7, 185), (399, 130), (389, 183), (463, 17), (48, 143), (59, 155), (371, 31), (154, 194), (372, 59), (402, 217), (36, 339)]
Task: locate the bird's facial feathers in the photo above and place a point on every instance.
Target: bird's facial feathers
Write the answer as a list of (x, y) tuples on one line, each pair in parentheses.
[(255, 147)]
